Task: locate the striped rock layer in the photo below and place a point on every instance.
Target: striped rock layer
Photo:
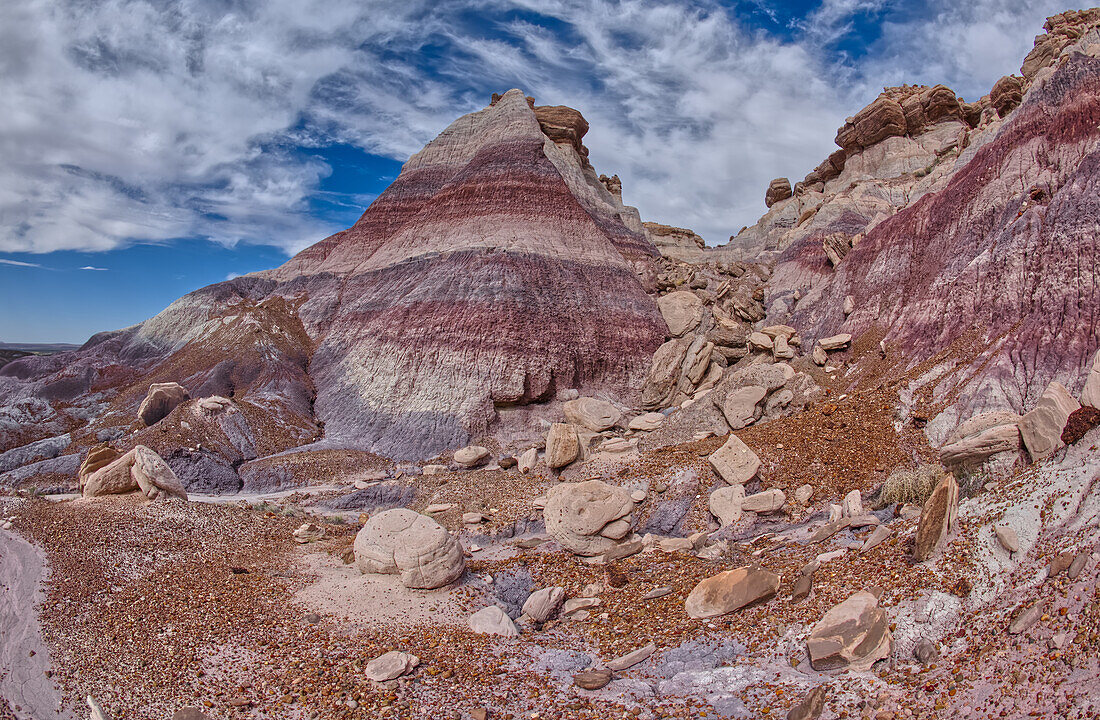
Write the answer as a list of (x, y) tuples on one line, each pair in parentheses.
[(494, 271)]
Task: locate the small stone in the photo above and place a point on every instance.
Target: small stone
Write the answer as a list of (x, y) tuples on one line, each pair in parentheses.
[(541, 605), (658, 592), (391, 665), (472, 518), (768, 501), (836, 342), (592, 679), (810, 706), (528, 459), (638, 495), (673, 545), (803, 493), (1008, 539), (309, 532), (802, 587), (575, 605), (925, 652), (1027, 618), (879, 536), (492, 621), (735, 462), (507, 462), (439, 508), (471, 456)]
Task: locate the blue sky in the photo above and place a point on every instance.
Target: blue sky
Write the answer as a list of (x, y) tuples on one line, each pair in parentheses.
[(170, 144)]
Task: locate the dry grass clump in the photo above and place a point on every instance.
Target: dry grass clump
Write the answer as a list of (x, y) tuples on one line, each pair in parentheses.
[(910, 485)]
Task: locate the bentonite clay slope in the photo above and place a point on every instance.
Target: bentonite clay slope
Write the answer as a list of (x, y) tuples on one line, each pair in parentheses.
[(493, 272), (496, 270), (1000, 266)]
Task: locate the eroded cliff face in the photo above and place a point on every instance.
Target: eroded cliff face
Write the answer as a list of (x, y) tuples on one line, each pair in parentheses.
[(965, 231), (496, 270)]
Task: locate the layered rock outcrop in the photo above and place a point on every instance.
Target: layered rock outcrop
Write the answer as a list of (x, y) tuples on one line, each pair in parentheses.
[(494, 271)]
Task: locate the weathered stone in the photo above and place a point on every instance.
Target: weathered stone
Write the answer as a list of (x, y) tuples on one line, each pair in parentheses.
[(142, 470), (562, 445), (880, 535), (592, 679), (648, 421), (632, 658), (768, 501), (976, 449), (735, 462), (852, 504), (852, 635), (802, 587), (1041, 427), (739, 407), (925, 651), (309, 532), (1008, 538), (411, 545), (760, 341), (730, 591), (810, 706), (682, 311), (391, 665), (492, 621), (781, 350), (541, 605), (1027, 618), (1006, 94), (937, 518), (725, 503), (98, 457), (665, 370), (596, 415), (528, 459), (803, 493), (161, 400), (778, 189), (819, 356), (835, 342), (471, 455), (577, 513)]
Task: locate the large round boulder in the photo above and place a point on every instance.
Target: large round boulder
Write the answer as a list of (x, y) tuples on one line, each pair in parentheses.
[(406, 543), (588, 518)]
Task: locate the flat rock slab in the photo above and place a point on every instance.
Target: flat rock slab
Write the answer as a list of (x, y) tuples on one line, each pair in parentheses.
[(937, 518), (735, 462), (391, 665), (730, 591), (631, 659)]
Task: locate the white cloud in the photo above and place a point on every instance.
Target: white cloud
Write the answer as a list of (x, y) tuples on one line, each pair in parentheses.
[(132, 120), (17, 263), (90, 267)]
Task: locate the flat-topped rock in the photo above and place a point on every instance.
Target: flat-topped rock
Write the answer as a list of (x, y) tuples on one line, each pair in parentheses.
[(647, 422), (596, 415), (735, 462), (835, 342)]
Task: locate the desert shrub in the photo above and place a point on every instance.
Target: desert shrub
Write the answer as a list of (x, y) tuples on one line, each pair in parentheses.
[(910, 485)]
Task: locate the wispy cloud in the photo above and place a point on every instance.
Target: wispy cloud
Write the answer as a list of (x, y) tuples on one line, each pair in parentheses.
[(89, 267), (130, 120), (17, 263)]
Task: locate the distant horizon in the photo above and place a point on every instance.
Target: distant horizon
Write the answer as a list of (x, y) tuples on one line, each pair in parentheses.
[(146, 161)]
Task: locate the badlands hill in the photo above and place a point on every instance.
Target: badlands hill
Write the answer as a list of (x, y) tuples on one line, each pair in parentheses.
[(503, 450)]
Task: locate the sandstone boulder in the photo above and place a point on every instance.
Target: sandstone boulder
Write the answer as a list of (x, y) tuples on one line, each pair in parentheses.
[(778, 189), (411, 545), (725, 503), (852, 635), (881, 119), (1008, 538), (1006, 94), (739, 407), (682, 311), (664, 374), (1041, 427), (98, 457), (562, 445), (592, 679), (541, 605), (391, 665), (731, 590), (471, 455), (596, 415), (309, 532), (588, 518), (760, 341), (492, 621), (937, 518), (1090, 395), (647, 422), (735, 462), (161, 400), (140, 470)]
